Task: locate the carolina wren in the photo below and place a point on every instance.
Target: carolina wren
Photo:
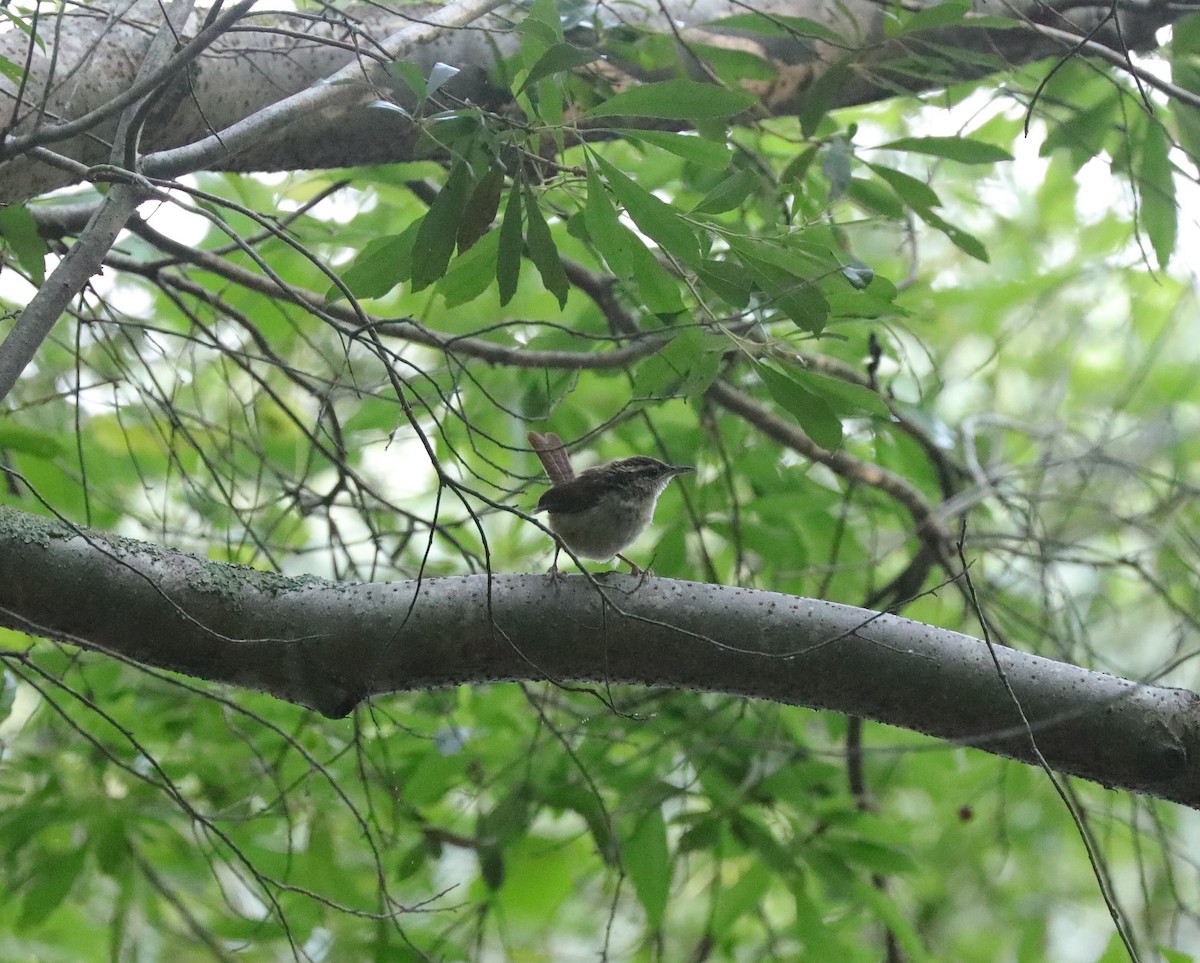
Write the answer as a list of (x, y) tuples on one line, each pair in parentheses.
[(603, 509)]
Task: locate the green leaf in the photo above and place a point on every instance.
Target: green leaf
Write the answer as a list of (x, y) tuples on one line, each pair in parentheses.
[(798, 166), (930, 18), (453, 132), (698, 150), (810, 411), (1156, 189), (548, 98), (541, 874), (961, 149), (874, 856), (1086, 132), (960, 238), (412, 76), (729, 193), (874, 196), (875, 300), (704, 835), (730, 281), (20, 231), (15, 437), (52, 881), (508, 256), (898, 922), (545, 14), (110, 844), (603, 226), (761, 841), (439, 228), (415, 859), (655, 218), (647, 859), (674, 100), (1185, 72), (508, 819), (821, 96), (491, 866), (1187, 120), (373, 415), (797, 298), (560, 57), (916, 194), (658, 289), (471, 274), (13, 71), (687, 365), (536, 37), (625, 253), (431, 777), (842, 396), (744, 896), (772, 25), (583, 800), (380, 266), (543, 252), (732, 66), (782, 273), (835, 164), (481, 209), (24, 24), (1185, 35), (8, 695)]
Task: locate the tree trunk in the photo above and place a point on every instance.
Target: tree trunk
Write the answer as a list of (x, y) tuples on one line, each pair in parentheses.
[(90, 55)]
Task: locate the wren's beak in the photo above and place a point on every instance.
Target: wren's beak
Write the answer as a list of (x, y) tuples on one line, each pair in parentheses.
[(674, 470)]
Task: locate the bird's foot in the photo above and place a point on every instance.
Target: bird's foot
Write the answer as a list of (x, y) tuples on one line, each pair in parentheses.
[(641, 574)]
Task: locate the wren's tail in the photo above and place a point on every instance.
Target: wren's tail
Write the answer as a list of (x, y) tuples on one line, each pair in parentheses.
[(553, 456)]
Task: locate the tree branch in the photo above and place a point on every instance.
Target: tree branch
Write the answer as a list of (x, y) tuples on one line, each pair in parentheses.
[(930, 526), (161, 70), (255, 87), (342, 88), (513, 355), (329, 646)]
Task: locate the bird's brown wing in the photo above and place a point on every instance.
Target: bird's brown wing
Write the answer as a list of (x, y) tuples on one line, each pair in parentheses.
[(576, 495)]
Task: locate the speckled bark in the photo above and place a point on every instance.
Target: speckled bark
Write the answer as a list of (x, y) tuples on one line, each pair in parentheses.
[(329, 645), (92, 56)]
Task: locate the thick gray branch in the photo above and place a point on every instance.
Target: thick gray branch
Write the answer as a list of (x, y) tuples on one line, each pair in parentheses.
[(329, 645), (261, 84)]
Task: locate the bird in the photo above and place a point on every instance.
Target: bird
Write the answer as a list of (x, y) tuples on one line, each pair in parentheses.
[(602, 510)]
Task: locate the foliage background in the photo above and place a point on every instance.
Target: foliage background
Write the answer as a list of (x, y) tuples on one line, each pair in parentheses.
[(1038, 337)]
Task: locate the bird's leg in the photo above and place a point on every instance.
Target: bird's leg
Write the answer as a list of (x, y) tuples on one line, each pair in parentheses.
[(634, 569), (554, 573)]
